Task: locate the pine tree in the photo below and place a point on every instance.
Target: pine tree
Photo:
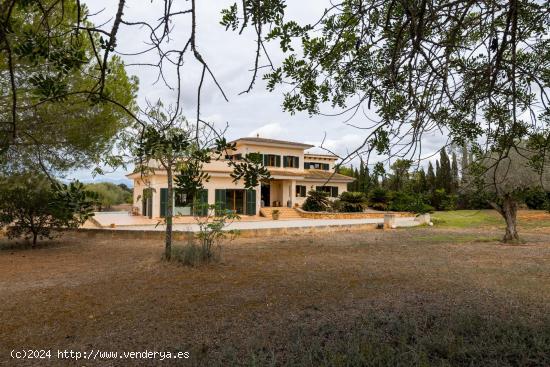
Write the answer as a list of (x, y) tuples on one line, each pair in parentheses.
[(431, 178)]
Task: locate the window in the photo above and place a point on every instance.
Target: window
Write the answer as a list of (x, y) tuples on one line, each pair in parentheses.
[(291, 161), (332, 191), (181, 199), (234, 157), (315, 165), (301, 191), (272, 160)]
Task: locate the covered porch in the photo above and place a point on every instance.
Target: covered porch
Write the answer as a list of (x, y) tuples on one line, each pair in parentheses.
[(278, 193)]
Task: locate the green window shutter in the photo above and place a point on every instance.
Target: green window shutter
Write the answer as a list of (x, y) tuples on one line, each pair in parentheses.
[(203, 199), (251, 202), (265, 158), (278, 160), (163, 202), (285, 161), (221, 202), (296, 162)]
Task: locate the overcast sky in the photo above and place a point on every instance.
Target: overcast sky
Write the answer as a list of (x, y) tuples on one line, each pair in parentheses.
[(230, 56)]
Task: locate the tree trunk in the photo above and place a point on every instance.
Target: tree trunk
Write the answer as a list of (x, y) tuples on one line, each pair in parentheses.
[(508, 209), (34, 238), (509, 212), (169, 214)]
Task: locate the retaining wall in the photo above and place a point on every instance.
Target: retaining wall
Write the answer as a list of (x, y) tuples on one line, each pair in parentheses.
[(132, 234), (329, 215)]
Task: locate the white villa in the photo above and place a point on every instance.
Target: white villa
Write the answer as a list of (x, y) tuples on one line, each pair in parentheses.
[(293, 173)]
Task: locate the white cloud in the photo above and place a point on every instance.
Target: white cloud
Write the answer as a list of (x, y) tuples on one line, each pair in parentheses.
[(272, 131)]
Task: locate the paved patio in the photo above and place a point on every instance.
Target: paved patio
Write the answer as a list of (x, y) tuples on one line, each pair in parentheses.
[(123, 221)]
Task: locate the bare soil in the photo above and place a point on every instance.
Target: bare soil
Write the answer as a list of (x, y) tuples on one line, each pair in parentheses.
[(80, 293)]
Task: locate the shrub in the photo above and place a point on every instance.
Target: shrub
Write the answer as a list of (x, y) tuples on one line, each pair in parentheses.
[(379, 199), (336, 205), (205, 246), (403, 202), (440, 200), (316, 201), (537, 199), (352, 201), (33, 208), (193, 254), (379, 206), (419, 205), (474, 200)]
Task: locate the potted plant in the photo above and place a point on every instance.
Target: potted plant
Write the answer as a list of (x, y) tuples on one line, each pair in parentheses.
[(275, 214)]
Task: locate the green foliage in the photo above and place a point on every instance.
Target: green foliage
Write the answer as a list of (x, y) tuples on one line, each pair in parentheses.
[(379, 199), (400, 175), (352, 202), (537, 198), (316, 201), (440, 200), (32, 207), (404, 202), (109, 194), (193, 254), (63, 118), (211, 232)]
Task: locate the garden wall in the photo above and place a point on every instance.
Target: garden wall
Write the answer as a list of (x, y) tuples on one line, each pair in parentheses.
[(330, 215)]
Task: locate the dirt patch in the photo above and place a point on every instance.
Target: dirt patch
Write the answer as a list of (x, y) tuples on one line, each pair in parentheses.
[(118, 295)]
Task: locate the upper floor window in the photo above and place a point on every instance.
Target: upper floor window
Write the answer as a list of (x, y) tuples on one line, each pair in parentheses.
[(315, 165), (272, 160), (234, 157), (291, 161)]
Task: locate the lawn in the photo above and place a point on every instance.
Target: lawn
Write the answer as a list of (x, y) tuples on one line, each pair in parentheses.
[(448, 295)]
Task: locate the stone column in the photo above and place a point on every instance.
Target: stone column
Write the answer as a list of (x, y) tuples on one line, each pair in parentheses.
[(389, 221), (292, 193)]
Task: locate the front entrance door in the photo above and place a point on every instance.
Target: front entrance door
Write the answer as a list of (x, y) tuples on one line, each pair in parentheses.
[(234, 200), (265, 191), (147, 202)]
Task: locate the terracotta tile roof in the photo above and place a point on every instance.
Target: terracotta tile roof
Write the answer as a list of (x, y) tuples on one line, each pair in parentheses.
[(317, 174), (273, 141)]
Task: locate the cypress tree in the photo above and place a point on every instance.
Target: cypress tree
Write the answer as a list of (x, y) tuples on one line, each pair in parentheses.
[(445, 175), (361, 178), (454, 173), (422, 186), (430, 178), (437, 175)]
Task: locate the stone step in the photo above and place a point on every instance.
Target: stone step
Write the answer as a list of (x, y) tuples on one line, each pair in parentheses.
[(284, 212)]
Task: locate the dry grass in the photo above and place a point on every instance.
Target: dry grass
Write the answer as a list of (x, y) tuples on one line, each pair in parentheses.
[(428, 296)]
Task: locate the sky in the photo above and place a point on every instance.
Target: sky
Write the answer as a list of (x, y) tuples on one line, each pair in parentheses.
[(230, 57)]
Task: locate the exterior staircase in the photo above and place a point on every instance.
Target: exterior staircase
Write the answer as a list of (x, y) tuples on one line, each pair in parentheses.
[(284, 212)]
